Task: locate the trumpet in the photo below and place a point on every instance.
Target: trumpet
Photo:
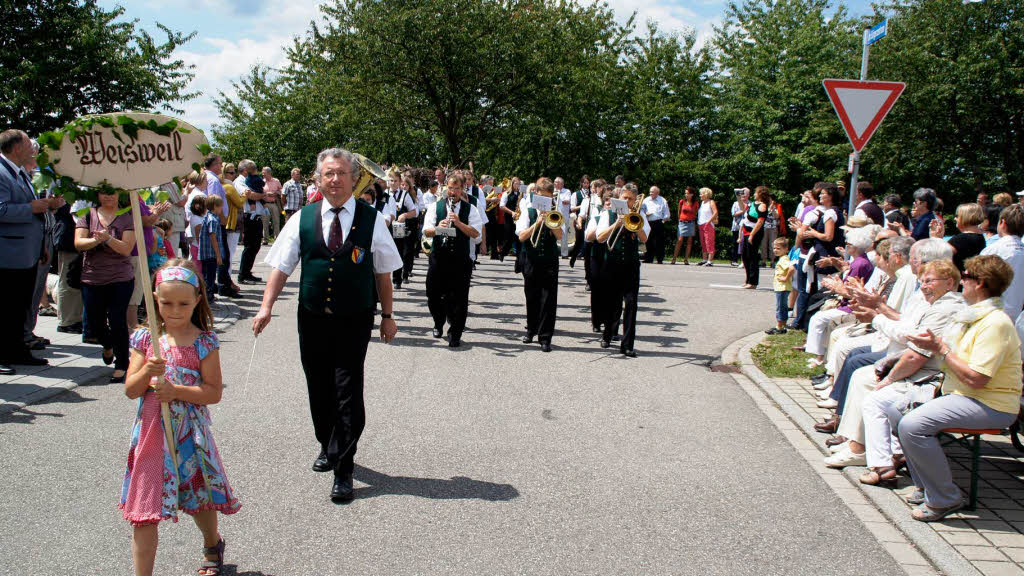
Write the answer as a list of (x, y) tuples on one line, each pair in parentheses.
[(552, 220), (632, 222)]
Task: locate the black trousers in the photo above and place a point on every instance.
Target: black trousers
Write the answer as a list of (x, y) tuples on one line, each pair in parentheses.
[(332, 350), (448, 291), (16, 290), (623, 289), (656, 242), (598, 287), (509, 238), (407, 247), (751, 251), (495, 232), (107, 307), (224, 270), (540, 282), (578, 249), (252, 238)]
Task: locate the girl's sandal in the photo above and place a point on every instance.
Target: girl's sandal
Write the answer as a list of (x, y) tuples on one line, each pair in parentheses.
[(212, 567), (926, 513)]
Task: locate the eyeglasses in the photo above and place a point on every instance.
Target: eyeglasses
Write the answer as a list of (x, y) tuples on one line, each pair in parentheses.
[(229, 171), (333, 175), (966, 275), (931, 280)]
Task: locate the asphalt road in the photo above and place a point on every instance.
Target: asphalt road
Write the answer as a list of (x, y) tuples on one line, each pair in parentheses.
[(491, 459)]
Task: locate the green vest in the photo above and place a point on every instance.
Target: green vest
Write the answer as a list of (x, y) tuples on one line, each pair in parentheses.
[(342, 282), (547, 248), (626, 246), (459, 245)]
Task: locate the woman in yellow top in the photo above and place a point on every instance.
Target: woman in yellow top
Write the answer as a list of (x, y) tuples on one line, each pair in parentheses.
[(232, 229), (982, 389)]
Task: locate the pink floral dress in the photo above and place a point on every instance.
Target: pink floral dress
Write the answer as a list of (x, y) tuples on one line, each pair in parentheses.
[(152, 491)]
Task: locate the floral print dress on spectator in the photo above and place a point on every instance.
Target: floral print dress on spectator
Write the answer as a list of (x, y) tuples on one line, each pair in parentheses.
[(151, 491)]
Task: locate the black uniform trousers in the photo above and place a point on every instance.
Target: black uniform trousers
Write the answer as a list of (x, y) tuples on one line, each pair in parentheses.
[(656, 242), (598, 285), (448, 290), (16, 290), (494, 235), (407, 247), (540, 282), (510, 239), (622, 282), (252, 239), (588, 248), (332, 349)]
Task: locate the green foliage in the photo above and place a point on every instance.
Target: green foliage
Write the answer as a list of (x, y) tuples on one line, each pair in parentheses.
[(62, 59)]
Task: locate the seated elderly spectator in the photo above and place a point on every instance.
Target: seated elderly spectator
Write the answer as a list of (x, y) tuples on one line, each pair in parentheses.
[(1009, 248), (982, 389), (857, 271), (939, 280), (923, 212)]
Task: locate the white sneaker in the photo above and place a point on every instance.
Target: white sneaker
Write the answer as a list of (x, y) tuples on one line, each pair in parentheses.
[(825, 384), (835, 449), (846, 458), (828, 403), (824, 393)]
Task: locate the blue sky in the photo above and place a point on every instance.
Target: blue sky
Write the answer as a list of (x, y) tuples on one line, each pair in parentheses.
[(232, 35)]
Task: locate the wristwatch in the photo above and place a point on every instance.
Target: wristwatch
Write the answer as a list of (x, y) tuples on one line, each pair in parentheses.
[(386, 316)]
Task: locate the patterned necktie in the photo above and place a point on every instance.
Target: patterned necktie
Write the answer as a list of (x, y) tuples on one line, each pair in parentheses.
[(334, 240)]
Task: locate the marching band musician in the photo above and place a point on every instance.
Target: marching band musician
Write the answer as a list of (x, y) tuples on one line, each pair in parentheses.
[(602, 196), (525, 201), (508, 204), (579, 197), (451, 259), (475, 197), (405, 203), (589, 210), (383, 203), (621, 272), (563, 202), (494, 223), (540, 269)]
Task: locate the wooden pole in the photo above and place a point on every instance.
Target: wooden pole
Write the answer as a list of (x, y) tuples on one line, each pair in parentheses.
[(154, 321)]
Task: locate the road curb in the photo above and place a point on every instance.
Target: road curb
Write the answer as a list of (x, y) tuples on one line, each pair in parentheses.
[(940, 553), (226, 314)]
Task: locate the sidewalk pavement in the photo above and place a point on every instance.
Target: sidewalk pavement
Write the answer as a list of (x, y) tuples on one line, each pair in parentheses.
[(989, 540), (73, 363)]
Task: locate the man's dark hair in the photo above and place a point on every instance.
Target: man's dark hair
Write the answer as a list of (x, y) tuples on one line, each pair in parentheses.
[(1013, 217), (865, 189), (894, 200), (992, 212), (210, 160), (926, 195), (11, 138)]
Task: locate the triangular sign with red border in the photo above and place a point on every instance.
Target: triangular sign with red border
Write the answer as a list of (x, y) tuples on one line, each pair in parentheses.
[(861, 106)]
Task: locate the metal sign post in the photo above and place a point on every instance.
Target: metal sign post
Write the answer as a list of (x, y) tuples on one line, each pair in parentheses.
[(871, 35)]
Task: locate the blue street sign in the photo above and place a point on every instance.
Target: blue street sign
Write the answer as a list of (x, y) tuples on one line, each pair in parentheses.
[(876, 32)]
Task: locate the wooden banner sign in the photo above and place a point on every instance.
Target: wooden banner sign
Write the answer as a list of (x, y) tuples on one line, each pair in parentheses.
[(127, 150)]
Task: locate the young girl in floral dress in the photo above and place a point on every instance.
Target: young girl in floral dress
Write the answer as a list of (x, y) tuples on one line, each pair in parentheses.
[(153, 490)]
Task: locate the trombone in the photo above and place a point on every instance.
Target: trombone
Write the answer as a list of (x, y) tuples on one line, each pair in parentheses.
[(632, 222), (552, 220)]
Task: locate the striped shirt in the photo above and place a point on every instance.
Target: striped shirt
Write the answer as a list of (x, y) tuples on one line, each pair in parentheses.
[(292, 195), (211, 225)]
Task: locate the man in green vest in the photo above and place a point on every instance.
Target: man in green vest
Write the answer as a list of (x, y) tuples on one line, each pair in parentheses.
[(621, 273), (540, 268), (347, 257), (453, 224)]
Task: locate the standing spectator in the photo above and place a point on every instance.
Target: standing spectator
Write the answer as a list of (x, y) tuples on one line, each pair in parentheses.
[(312, 191), (149, 216), (252, 225), (687, 225), (21, 241), (176, 213), (707, 220), (923, 212), (272, 203), (108, 280), (231, 226), (49, 253), (195, 186), (657, 211), (782, 284), (1009, 248), (866, 207), (982, 362), (983, 199), (209, 245), (751, 230), (293, 194), (67, 297), (894, 216), (774, 227), (739, 209), (970, 241), (805, 242), (991, 223)]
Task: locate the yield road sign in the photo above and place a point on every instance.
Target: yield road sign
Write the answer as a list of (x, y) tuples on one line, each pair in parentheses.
[(861, 106)]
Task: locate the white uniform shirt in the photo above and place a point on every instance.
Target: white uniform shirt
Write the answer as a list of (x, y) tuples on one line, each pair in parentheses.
[(407, 203), (430, 222), (604, 223), (1010, 249), (390, 210), (564, 202), (284, 254), (428, 198), (524, 221), (420, 204), (656, 208)]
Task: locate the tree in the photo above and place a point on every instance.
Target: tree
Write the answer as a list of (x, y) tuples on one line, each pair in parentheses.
[(61, 59)]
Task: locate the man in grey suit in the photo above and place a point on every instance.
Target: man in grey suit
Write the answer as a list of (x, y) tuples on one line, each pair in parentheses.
[(21, 247)]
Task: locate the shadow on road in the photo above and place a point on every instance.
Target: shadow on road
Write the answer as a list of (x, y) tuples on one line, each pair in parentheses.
[(456, 488)]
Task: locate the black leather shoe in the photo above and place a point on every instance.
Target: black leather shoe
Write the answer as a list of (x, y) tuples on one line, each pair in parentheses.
[(631, 353), (819, 378), (616, 338), (322, 464), (6, 370), (342, 492), (28, 360), (436, 333), (545, 346), (597, 329), (454, 343), (528, 338), (75, 328), (118, 379), (229, 293), (605, 343)]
